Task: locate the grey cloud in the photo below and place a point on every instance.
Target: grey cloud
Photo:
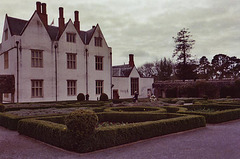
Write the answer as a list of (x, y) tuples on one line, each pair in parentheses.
[(146, 27)]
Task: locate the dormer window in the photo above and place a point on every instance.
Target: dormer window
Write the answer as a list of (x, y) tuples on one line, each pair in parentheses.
[(98, 41), (6, 34), (71, 37)]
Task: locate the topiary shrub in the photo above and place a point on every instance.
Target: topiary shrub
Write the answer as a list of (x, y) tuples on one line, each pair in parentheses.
[(80, 97), (82, 122), (103, 97)]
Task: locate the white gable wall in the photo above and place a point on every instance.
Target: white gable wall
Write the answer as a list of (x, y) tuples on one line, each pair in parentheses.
[(8, 45), (94, 74), (123, 85), (36, 37), (64, 74)]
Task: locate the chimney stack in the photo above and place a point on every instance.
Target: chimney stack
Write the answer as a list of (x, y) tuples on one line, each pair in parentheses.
[(38, 7), (61, 22), (76, 22), (44, 14), (131, 60)]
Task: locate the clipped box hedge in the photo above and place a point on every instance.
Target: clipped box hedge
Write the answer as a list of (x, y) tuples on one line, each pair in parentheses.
[(10, 121), (45, 105), (140, 109), (58, 135), (224, 113)]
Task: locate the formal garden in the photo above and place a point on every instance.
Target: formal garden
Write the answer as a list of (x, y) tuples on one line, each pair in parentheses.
[(84, 126)]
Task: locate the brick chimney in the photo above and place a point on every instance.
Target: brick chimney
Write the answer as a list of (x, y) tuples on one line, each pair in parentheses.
[(44, 14), (131, 60), (38, 7), (61, 23), (77, 22)]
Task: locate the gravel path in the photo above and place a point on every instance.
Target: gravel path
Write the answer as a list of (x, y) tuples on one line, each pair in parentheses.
[(221, 141)]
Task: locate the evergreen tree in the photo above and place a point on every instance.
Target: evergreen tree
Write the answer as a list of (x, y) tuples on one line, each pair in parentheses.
[(184, 44)]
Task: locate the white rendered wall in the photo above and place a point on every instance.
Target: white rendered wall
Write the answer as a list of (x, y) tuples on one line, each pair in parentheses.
[(36, 37), (64, 74), (123, 85), (94, 74)]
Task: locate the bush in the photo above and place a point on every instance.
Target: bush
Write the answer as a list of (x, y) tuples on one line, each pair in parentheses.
[(103, 97), (2, 108), (117, 101), (80, 97), (171, 109), (207, 90), (82, 122), (171, 92), (135, 109), (221, 113), (9, 121), (105, 137)]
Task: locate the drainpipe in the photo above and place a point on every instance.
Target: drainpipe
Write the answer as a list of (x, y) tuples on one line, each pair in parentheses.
[(86, 50), (17, 42), (55, 47), (111, 73)]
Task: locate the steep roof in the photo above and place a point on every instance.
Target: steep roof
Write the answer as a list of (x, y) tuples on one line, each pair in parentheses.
[(86, 36), (53, 32), (121, 70), (17, 26)]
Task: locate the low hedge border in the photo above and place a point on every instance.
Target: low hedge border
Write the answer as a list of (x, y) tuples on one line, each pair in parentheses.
[(105, 137), (228, 113), (15, 107), (10, 121), (139, 109)]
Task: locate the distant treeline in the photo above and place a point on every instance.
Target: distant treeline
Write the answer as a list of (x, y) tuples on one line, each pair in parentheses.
[(221, 66)]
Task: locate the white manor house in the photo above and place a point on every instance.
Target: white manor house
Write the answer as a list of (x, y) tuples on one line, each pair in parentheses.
[(55, 63)]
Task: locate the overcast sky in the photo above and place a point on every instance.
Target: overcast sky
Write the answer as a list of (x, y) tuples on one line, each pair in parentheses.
[(145, 27)]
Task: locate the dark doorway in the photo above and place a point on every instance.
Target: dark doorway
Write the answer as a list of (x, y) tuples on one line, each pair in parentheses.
[(115, 94)]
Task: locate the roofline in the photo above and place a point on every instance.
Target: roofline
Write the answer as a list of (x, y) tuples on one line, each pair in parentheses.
[(35, 12), (70, 20), (92, 34), (101, 33), (6, 17), (57, 36)]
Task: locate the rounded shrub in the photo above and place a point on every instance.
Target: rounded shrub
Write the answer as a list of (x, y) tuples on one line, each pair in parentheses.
[(103, 97), (82, 122), (80, 97)]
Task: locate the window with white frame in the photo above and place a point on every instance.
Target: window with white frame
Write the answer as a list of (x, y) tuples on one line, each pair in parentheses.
[(99, 86), (37, 88), (37, 58), (71, 37), (71, 61), (99, 62), (71, 87)]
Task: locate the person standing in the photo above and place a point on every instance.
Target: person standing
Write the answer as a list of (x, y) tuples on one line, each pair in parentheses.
[(135, 97)]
